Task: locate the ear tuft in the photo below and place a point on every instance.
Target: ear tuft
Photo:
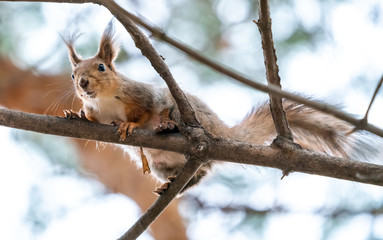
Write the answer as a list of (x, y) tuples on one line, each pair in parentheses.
[(69, 42), (109, 47)]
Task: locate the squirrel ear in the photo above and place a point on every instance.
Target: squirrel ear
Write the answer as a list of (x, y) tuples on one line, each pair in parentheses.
[(108, 47), (73, 57)]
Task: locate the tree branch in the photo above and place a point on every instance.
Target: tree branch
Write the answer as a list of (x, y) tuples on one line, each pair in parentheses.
[(298, 160), (190, 168), (233, 73), (272, 75)]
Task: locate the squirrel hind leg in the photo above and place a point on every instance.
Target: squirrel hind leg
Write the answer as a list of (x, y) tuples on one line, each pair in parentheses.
[(166, 125), (160, 190), (201, 173)]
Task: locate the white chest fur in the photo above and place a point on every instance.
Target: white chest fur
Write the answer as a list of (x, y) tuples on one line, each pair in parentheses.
[(108, 109)]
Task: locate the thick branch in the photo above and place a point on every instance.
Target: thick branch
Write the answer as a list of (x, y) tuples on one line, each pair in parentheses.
[(234, 74), (221, 149), (89, 130), (298, 160), (272, 75)]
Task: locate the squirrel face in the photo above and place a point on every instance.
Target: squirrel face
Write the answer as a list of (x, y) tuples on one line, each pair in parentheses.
[(96, 76)]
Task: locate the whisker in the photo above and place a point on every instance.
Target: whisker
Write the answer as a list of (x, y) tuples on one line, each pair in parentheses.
[(73, 99), (54, 103), (86, 143), (60, 100)]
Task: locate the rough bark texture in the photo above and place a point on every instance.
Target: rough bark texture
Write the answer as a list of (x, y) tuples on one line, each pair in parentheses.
[(293, 160)]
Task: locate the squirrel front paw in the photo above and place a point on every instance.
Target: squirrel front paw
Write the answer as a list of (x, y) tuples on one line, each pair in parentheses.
[(126, 127), (69, 113)]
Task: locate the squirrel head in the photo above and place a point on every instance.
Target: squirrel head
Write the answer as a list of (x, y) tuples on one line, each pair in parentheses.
[(95, 76)]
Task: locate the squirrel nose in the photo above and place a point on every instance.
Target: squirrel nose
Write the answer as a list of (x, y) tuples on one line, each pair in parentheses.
[(83, 83)]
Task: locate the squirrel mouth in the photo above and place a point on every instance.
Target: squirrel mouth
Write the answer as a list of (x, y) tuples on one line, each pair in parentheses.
[(91, 94)]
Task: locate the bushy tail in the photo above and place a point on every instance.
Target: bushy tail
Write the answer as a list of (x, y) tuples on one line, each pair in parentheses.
[(311, 129)]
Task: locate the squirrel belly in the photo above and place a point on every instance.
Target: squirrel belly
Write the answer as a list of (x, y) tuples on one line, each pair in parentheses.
[(105, 110), (110, 97)]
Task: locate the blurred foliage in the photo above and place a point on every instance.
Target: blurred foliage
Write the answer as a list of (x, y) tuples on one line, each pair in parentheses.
[(15, 18), (37, 215), (59, 151), (59, 163)]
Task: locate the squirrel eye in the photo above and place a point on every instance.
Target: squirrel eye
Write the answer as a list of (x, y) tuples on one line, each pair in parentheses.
[(72, 76), (101, 68)]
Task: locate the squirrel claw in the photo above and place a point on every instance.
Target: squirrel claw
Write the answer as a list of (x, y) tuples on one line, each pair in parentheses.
[(122, 130), (160, 190), (73, 115), (172, 178), (126, 127)]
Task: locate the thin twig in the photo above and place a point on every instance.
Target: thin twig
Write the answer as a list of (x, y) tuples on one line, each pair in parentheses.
[(272, 75), (364, 121), (162, 202), (233, 73), (225, 150), (373, 97), (280, 209)]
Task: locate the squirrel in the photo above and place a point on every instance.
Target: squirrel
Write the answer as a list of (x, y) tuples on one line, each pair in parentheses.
[(109, 97)]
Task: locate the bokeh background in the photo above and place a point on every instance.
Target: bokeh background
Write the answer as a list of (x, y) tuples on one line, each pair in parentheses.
[(59, 188)]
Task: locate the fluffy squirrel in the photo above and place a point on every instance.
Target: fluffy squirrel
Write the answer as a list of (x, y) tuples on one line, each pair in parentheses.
[(109, 97)]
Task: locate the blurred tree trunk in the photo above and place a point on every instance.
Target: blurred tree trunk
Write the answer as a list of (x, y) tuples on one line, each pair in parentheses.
[(25, 91)]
